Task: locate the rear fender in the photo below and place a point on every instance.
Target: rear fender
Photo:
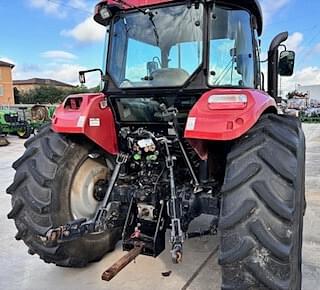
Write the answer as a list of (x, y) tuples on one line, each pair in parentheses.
[(89, 115), (225, 123)]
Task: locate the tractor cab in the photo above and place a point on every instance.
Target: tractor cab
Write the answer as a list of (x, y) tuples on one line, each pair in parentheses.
[(181, 45)]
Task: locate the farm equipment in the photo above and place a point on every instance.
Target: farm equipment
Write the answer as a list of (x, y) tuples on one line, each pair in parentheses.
[(182, 127), (10, 123), (40, 115), (23, 120), (310, 115)]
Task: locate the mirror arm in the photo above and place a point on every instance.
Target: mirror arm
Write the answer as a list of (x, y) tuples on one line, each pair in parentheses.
[(262, 81), (91, 70)]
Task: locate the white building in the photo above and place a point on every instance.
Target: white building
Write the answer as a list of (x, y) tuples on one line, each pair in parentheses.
[(312, 91)]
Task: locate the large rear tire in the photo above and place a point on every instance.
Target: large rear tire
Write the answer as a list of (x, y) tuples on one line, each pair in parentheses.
[(263, 202), (42, 198)]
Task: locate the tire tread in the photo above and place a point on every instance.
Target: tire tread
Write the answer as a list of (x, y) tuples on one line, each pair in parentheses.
[(261, 233)]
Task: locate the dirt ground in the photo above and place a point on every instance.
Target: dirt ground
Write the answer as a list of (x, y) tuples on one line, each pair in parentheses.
[(199, 270)]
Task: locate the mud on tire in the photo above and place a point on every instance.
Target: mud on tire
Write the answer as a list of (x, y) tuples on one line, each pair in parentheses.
[(262, 207), (40, 200)]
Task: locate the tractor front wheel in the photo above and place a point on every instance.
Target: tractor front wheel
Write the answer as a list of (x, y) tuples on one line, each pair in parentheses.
[(262, 207), (54, 184), (24, 132)]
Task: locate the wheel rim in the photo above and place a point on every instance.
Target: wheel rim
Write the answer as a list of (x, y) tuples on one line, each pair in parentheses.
[(21, 132), (82, 200)]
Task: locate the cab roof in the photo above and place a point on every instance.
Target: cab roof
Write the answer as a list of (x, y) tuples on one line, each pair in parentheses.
[(252, 5)]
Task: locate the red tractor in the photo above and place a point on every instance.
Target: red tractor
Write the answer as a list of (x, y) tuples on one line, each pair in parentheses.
[(182, 127)]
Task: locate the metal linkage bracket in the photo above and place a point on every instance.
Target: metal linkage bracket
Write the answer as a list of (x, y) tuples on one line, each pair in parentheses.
[(104, 215), (176, 237), (70, 231)]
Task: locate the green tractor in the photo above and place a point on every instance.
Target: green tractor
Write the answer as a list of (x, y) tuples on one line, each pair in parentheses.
[(10, 123)]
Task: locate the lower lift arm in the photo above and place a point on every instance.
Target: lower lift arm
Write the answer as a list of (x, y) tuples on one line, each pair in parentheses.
[(104, 216)]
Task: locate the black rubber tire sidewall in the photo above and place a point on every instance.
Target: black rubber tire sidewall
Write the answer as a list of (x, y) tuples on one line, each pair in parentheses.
[(41, 199), (93, 246)]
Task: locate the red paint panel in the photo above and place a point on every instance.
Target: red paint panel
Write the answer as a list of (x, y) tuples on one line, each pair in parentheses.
[(230, 123), (89, 119)]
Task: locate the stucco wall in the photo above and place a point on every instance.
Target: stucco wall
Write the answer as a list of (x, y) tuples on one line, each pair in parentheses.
[(7, 97)]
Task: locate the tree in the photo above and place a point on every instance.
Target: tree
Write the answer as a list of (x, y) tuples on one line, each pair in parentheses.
[(17, 95), (51, 94)]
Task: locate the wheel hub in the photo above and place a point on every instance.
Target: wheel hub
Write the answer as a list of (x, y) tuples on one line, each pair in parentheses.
[(83, 197), (100, 189)]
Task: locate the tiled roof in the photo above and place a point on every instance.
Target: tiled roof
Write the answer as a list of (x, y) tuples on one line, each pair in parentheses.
[(44, 82), (6, 64)]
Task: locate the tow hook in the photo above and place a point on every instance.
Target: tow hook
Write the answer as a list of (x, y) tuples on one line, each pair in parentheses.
[(176, 253)]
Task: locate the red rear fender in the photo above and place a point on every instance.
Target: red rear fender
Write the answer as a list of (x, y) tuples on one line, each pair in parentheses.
[(87, 114), (224, 121)]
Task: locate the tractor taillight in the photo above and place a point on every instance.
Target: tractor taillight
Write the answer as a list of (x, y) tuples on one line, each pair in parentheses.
[(227, 102)]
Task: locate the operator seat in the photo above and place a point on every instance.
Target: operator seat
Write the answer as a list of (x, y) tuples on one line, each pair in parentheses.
[(169, 77)]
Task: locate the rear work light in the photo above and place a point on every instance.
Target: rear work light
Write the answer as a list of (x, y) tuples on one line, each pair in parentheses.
[(227, 102), (105, 13)]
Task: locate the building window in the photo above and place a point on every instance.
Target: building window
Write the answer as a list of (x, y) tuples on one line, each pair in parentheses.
[(1, 91), (0, 74)]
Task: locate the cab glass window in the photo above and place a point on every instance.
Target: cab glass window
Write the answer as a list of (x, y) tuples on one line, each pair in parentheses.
[(231, 57)]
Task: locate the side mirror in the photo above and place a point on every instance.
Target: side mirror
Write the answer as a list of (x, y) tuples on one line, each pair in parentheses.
[(286, 63), (100, 78), (82, 77), (96, 80)]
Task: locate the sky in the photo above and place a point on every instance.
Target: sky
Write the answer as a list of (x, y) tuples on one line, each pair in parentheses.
[(57, 38)]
